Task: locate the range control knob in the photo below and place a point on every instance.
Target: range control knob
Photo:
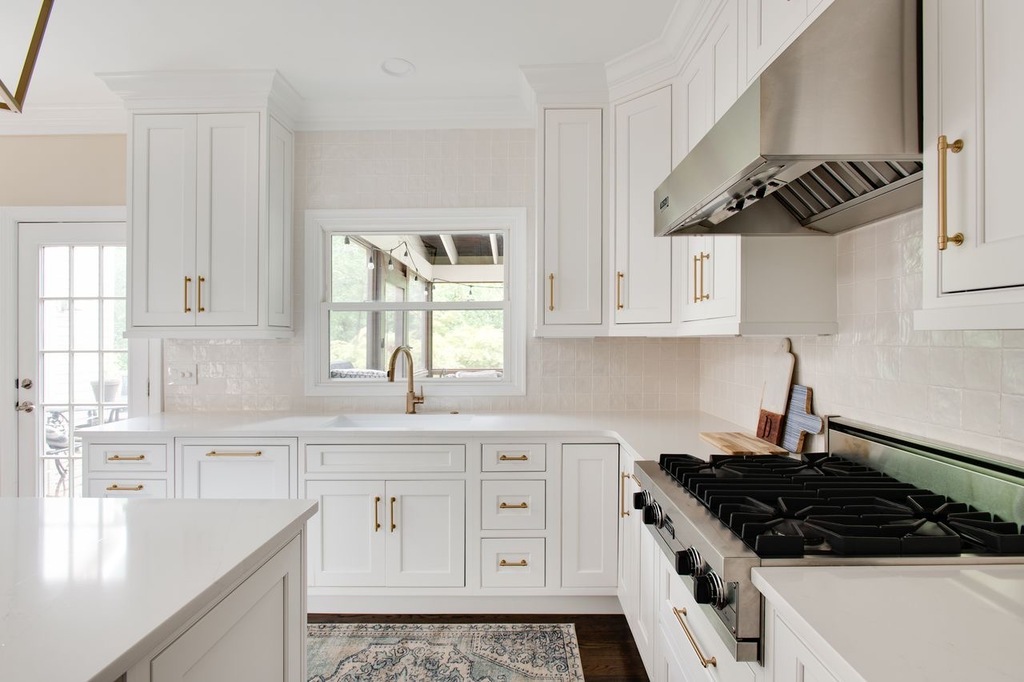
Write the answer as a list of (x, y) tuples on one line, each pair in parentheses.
[(642, 499), (709, 589), (689, 562), (653, 515)]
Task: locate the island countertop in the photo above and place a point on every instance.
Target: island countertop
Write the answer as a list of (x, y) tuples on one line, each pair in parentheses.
[(90, 586)]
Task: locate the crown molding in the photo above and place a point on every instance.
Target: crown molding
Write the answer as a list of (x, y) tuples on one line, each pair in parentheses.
[(66, 121), (564, 84)]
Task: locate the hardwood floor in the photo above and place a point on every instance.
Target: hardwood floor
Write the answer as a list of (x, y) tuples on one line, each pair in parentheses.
[(607, 649)]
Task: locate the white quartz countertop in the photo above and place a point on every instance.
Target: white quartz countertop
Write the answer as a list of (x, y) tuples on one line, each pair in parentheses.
[(646, 434), (90, 586), (922, 623)]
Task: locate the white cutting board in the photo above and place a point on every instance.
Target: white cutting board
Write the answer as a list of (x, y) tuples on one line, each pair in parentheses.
[(778, 377)]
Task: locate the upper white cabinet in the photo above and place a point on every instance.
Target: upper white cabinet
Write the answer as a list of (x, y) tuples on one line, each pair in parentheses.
[(972, 93), (573, 207), (643, 158), (771, 25), (710, 285), (210, 205)]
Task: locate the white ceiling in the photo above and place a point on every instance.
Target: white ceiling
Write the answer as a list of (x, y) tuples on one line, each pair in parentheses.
[(467, 52)]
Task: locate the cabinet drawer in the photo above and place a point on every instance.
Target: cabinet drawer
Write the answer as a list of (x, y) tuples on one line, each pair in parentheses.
[(127, 457), (512, 562), (331, 459), (236, 469), (520, 457), (512, 505), (127, 487)]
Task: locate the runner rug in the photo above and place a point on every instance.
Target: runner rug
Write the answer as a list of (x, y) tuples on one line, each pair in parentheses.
[(488, 652)]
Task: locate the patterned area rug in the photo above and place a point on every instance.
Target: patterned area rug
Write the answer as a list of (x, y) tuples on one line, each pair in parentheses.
[(489, 652)]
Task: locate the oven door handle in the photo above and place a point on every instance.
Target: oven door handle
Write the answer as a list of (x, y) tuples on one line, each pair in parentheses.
[(680, 613)]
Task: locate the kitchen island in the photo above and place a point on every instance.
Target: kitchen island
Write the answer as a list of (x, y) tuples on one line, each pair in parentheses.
[(97, 589)]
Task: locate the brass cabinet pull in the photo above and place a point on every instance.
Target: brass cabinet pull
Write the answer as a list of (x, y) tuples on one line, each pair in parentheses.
[(703, 661), (521, 563), (126, 458), (516, 458), (696, 297), (551, 293), (703, 257), (188, 280), (214, 453), (116, 487), (506, 505), (623, 512), (393, 526), (376, 511), (199, 294), (618, 290), (956, 146)]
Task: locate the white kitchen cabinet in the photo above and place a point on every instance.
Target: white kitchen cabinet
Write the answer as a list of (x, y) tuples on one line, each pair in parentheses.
[(590, 475), (770, 24), (643, 158), (572, 227), (232, 468), (210, 235), (130, 469), (972, 93), (790, 659), (636, 568), (709, 286), (388, 533)]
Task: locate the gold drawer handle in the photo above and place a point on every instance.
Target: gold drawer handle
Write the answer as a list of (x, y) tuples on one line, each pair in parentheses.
[(199, 294), (376, 513), (516, 458), (618, 290), (521, 563), (703, 661), (955, 146), (393, 526), (506, 505), (623, 512), (214, 453), (116, 487), (187, 281), (126, 458), (551, 300)]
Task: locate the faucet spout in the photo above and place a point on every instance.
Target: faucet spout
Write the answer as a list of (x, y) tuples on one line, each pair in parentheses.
[(411, 399)]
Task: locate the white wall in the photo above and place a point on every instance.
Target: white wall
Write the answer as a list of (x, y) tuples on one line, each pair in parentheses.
[(62, 170), (960, 387), (440, 168)]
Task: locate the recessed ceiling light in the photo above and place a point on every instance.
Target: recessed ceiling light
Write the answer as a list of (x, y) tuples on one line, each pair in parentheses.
[(397, 67)]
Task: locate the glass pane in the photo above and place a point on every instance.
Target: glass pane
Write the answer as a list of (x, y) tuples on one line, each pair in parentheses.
[(349, 350), (86, 387), (86, 323), (86, 271), (55, 327), (56, 270), (468, 343), (55, 477), (55, 377), (115, 377), (114, 325), (351, 278), (114, 270), (458, 292)]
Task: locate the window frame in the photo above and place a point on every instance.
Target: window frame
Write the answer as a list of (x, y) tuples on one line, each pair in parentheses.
[(321, 223)]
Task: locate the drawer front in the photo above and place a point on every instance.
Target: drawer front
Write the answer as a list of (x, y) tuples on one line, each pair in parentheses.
[(236, 470), (517, 505), (520, 457), (108, 457), (512, 562), (362, 459), (127, 487)]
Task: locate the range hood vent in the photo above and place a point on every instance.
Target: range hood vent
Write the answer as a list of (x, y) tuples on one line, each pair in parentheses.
[(836, 148)]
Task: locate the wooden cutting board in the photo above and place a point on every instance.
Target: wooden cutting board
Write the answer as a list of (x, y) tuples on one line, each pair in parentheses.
[(799, 420), (778, 375), (736, 443)]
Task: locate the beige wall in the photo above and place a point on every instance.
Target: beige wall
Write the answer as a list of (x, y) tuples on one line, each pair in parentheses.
[(62, 170)]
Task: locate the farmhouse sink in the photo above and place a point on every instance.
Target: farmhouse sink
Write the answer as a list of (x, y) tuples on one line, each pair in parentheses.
[(402, 422)]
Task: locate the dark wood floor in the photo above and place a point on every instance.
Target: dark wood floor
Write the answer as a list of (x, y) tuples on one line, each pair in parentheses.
[(607, 649)]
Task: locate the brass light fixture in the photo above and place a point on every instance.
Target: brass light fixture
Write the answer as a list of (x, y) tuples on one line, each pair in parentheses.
[(16, 102)]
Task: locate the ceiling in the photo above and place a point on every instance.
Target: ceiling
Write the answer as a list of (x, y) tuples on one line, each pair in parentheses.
[(467, 53)]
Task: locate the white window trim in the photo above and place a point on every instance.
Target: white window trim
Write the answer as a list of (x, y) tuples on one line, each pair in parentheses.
[(318, 223)]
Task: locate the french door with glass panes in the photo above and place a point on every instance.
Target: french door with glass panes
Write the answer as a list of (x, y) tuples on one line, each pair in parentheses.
[(73, 358)]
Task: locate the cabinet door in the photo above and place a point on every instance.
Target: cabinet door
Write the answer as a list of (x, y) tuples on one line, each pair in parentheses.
[(691, 107), (647, 603), (792, 660), (630, 527), (278, 252), (643, 159), (590, 475), (975, 95), (426, 539), (573, 210), (770, 24), (722, 53), (711, 283), (347, 534), (163, 220), (227, 223), (236, 471)]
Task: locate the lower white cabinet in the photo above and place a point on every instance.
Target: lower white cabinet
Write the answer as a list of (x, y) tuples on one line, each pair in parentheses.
[(255, 633), (589, 521), (388, 533), (126, 487), (233, 468), (789, 659)]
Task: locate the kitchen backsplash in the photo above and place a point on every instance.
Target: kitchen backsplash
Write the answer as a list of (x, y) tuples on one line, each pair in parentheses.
[(960, 387), (442, 168)]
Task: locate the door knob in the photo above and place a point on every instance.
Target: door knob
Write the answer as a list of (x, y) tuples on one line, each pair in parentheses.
[(26, 383), (25, 406)]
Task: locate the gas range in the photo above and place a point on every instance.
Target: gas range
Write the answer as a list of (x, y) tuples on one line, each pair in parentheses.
[(875, 497)]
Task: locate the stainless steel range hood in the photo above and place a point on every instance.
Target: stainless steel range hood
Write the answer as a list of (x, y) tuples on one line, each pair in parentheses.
[(831, 131)]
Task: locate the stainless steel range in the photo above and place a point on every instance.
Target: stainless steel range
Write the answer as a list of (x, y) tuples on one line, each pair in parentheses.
[(875, 497)]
